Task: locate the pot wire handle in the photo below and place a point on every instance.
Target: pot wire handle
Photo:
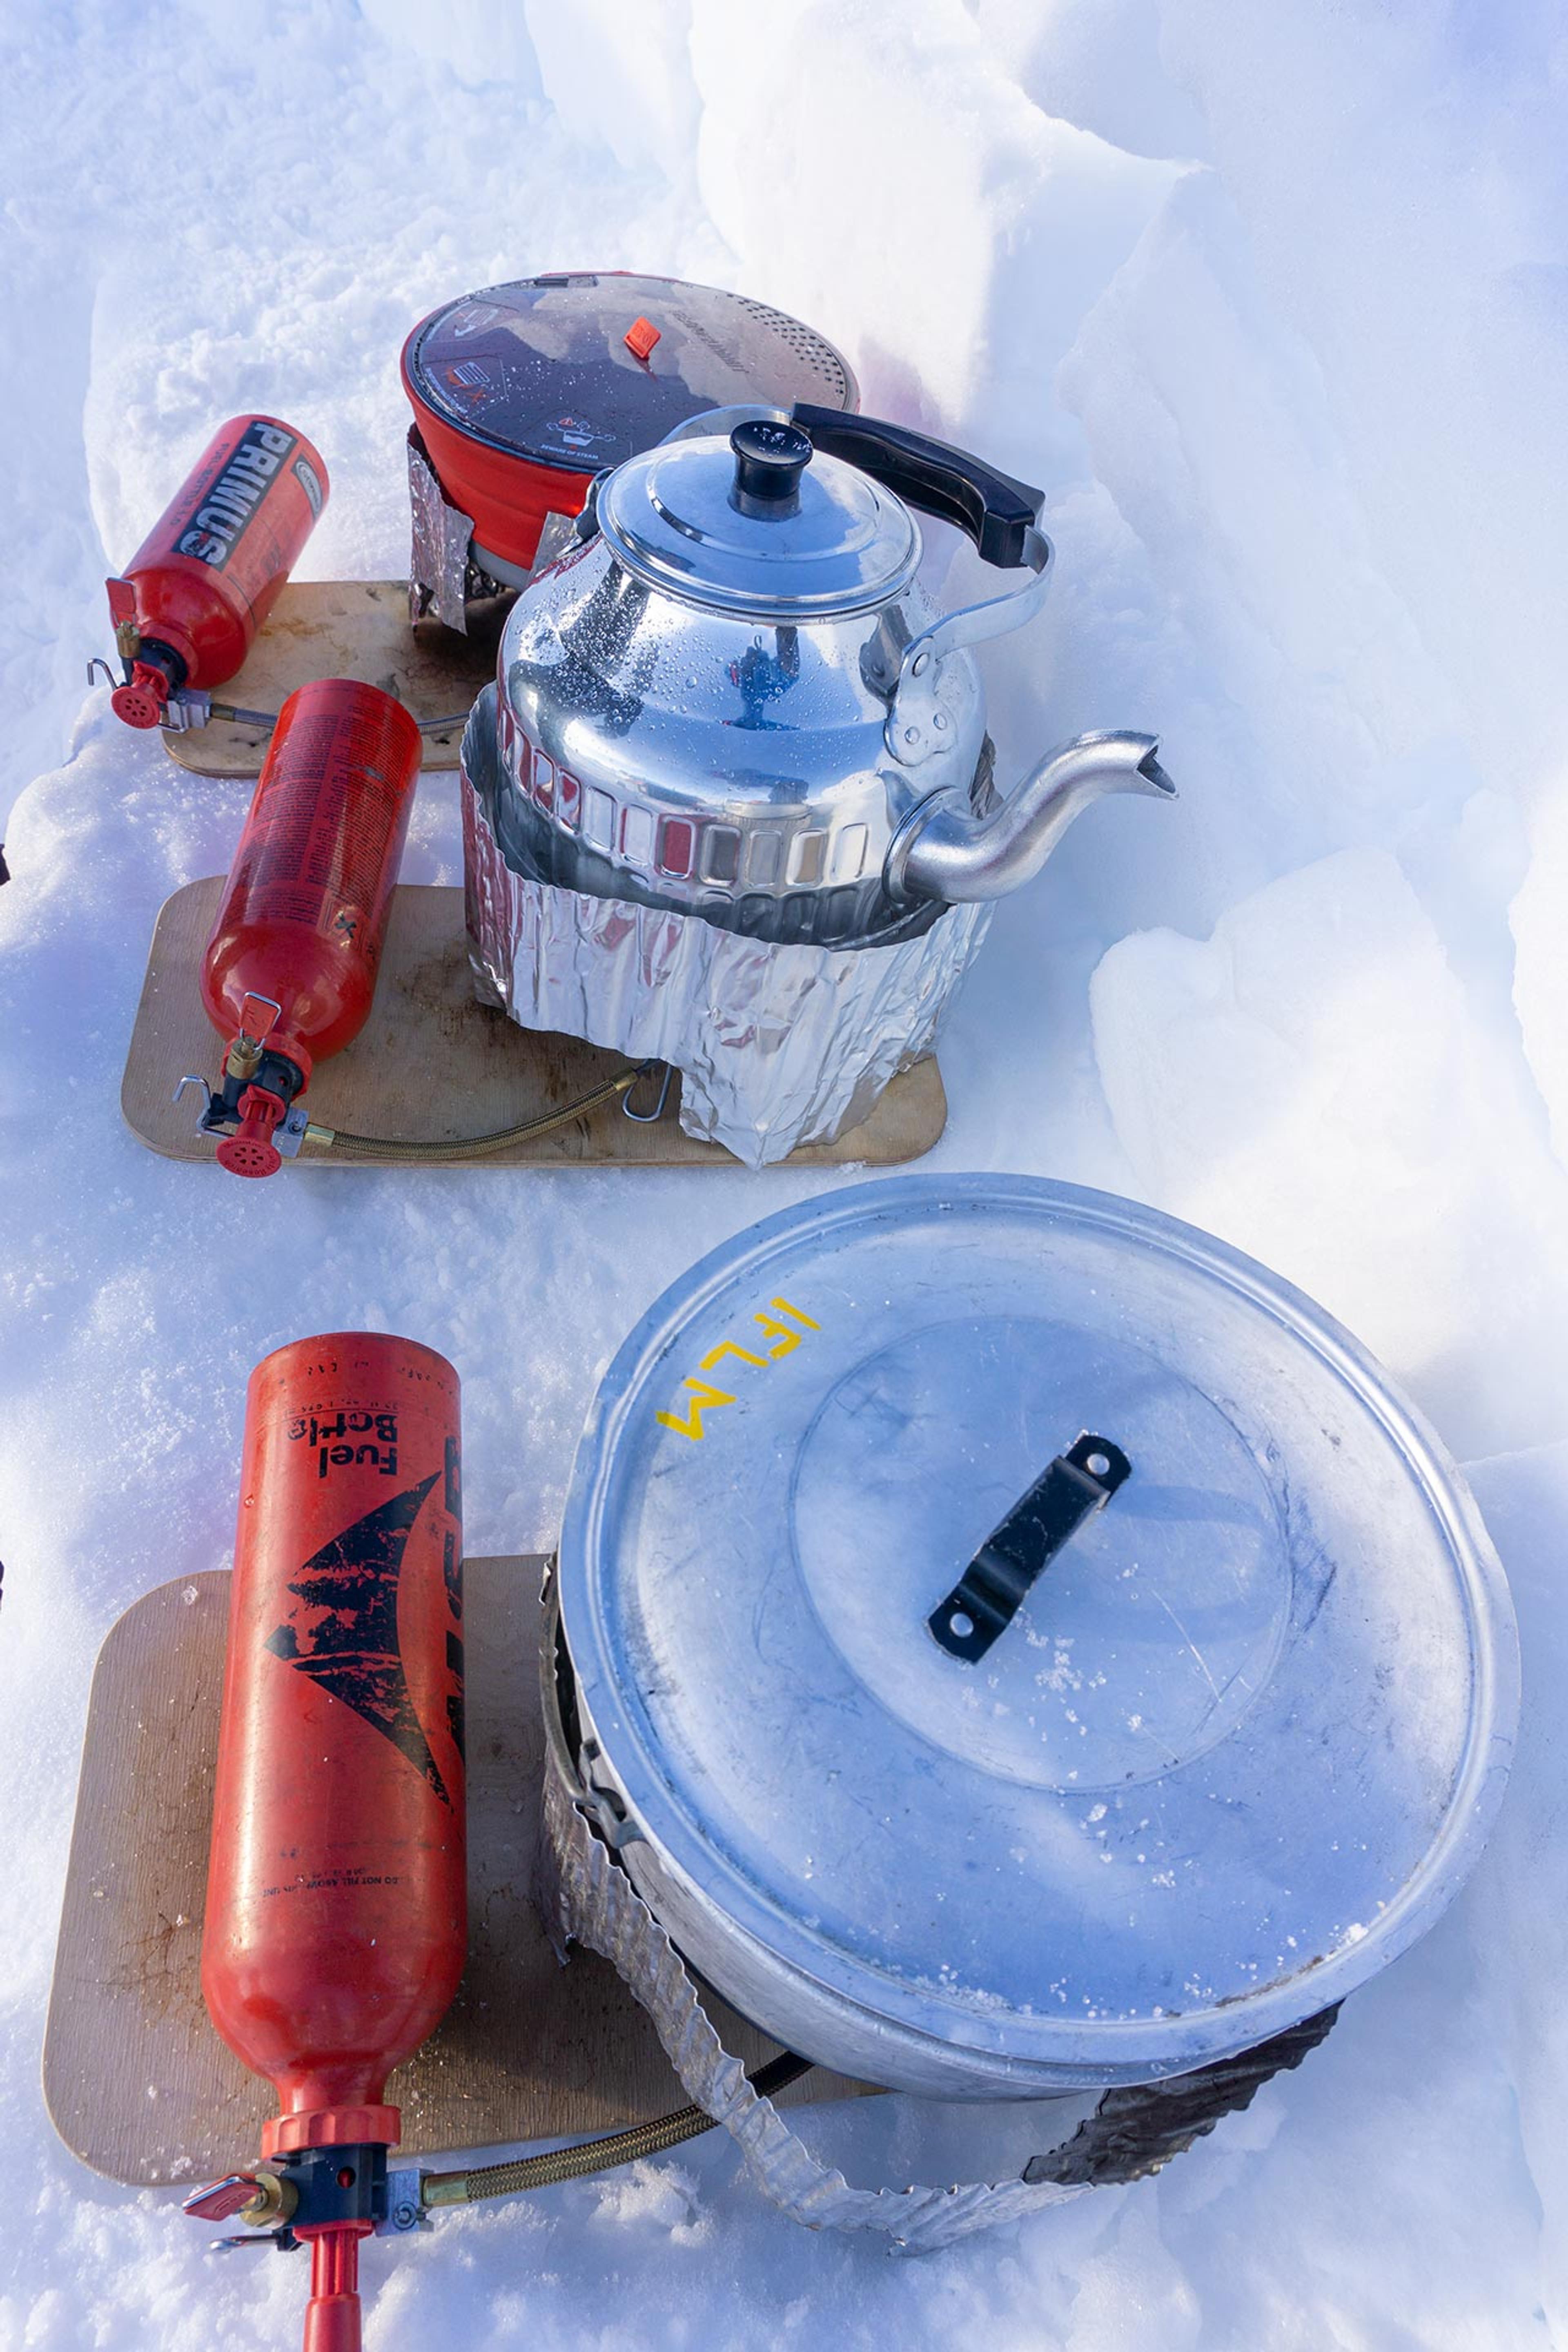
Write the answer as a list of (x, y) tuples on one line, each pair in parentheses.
[(917, 723), (1001, 516)]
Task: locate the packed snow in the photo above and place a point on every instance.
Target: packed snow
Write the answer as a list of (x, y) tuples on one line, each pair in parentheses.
[(1274, 303)]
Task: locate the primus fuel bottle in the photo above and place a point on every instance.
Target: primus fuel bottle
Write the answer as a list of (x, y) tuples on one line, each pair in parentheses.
[(188, 605)]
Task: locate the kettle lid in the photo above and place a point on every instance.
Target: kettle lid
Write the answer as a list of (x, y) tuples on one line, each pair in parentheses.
[(758, 522)]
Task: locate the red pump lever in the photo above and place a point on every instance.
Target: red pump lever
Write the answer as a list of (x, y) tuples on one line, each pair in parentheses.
[(332, 2314)]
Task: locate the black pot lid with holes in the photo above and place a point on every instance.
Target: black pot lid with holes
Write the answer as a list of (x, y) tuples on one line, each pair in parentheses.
[(1175, 1755), (541, 368)]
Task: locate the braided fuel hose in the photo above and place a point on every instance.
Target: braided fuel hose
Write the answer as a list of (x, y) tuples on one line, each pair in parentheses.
[(596, 2154), (231, 712), (465, 1147)]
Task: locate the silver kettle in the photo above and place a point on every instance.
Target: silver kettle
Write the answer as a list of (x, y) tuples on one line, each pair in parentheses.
[(730, 697)]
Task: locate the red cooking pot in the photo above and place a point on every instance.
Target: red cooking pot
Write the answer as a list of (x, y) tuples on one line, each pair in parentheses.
[(522, 393)]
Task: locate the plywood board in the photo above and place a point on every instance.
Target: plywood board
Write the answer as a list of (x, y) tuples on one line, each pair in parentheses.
[(138, 2082), (432, 1063), (346, 628)]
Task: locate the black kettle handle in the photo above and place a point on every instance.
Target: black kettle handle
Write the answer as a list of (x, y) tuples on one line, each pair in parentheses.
[(990, 507)]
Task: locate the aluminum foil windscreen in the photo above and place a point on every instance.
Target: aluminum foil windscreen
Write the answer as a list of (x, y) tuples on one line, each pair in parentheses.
[(438, 558), (778, 1044), (587, 1898)]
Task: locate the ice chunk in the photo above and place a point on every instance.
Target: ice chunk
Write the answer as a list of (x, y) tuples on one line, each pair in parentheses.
[(1539, 923), (892, 184), (1312, 1084), (1519, 1896)]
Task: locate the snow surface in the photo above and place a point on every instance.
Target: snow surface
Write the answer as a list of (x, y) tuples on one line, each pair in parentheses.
[(1274, 302)]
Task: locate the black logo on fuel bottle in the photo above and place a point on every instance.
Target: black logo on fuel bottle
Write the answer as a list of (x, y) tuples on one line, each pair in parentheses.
[(344, 1634)]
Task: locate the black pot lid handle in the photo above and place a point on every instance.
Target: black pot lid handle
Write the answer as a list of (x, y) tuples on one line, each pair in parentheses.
[(987, 1597)]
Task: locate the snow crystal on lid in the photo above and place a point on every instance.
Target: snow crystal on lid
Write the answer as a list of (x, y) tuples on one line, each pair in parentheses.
[(1236, 1746)]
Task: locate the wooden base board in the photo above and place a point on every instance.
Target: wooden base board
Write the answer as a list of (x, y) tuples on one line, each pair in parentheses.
[(137, 2082), (432, 1063), (346, 628)]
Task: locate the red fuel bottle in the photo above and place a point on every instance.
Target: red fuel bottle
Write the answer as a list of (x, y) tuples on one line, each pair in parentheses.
[(189, 604), (336, 1909), (289, 971)]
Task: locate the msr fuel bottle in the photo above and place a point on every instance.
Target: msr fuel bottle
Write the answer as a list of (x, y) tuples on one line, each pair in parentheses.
[(336, 1912), (188, 605), (289, 971)]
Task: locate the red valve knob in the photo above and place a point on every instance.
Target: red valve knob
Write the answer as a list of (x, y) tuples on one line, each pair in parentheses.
[(250, 1150), (142, 702)]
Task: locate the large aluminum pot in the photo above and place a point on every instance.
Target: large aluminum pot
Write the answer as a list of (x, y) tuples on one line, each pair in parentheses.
[(1013, 1642)]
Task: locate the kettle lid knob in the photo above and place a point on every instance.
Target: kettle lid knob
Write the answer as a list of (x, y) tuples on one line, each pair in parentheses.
[(770, 459)]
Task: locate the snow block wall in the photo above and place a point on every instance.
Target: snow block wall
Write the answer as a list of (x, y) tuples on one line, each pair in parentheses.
[(1271, 301)]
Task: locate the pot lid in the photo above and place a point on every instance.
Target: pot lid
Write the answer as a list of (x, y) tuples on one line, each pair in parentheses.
[(755, 522), (1232, 1747), (578, 370)]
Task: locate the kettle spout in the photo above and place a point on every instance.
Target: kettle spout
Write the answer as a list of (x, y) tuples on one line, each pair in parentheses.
[(944, 851)]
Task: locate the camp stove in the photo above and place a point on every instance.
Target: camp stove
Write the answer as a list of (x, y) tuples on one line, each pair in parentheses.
[(730, 804), (523, 392), (1041, 1725), (1009, 1642)]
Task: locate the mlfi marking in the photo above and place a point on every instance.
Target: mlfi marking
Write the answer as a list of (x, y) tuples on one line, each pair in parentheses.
[(706, 1398)]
